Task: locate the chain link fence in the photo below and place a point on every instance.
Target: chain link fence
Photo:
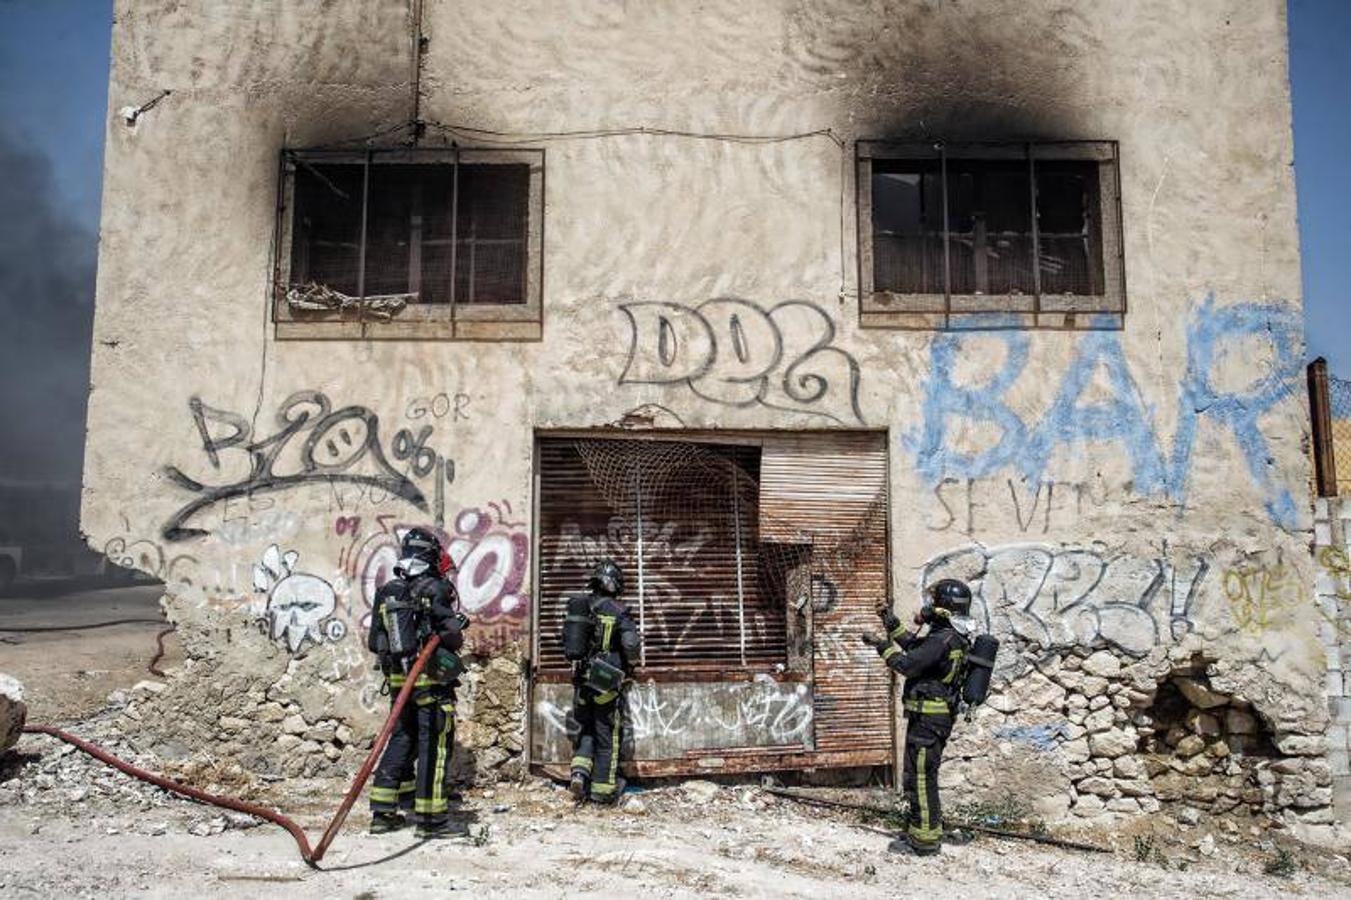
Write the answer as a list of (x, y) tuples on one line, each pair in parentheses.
[(1339, 411), (1330, 412)]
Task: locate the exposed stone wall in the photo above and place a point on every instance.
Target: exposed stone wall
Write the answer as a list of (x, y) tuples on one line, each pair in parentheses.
[(240, 696), (1089, 733)]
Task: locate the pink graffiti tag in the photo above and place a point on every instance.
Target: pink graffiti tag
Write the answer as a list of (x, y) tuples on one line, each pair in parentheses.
[(490, 553)]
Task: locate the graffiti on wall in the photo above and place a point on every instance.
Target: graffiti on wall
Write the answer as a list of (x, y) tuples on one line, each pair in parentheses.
[(1259, 595), (300, 607), (490, 551), (746, 711), (1058, 597), (736, 353), (1037, 507), (671, 554), (1122, 416), (313, 443)]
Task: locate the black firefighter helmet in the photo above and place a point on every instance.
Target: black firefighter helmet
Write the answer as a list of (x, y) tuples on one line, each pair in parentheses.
[(950, 595), (607, 578), (421, 545)]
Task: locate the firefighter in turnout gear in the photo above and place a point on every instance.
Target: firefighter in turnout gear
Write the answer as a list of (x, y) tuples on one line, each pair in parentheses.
[(420, 601), (933, 666), (602, 641)]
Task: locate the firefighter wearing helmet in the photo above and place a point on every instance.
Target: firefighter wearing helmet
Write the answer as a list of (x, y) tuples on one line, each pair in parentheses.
[(414, 772), (933, 665), (602, 641)]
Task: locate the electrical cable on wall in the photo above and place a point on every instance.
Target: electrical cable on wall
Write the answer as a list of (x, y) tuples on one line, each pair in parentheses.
[(516, 139)]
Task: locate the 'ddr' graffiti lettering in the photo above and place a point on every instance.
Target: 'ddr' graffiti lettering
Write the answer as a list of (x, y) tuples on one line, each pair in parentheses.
[(1026, 448), (735, 353)]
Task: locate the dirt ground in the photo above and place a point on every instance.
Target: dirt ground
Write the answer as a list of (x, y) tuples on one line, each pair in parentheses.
[(67, 674), (71, 827)]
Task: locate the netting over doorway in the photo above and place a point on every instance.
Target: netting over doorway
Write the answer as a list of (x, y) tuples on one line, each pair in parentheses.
[(730, 548)]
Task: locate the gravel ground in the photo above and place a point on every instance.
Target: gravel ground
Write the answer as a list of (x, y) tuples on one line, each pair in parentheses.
[(72, 827)]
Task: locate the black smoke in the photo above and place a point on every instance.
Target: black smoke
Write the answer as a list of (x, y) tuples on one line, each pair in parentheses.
[(47, 266)]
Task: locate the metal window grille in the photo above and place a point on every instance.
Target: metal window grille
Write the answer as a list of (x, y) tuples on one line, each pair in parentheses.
[(422, 242), (1030, 232), (439, 233)]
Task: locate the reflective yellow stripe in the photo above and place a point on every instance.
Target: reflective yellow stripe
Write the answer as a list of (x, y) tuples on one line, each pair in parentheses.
[(439, 773), (398, 680), (430, 806), (897, 632), (383, 794), (922, 780), (931, 707), (954, 663), (890, 651), (608, 622), (926, 835), (407, 787), (583, 763), (614, 751), (606, 697)]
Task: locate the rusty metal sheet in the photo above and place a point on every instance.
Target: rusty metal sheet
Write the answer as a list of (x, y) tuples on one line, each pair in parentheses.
[(791, 548), (835, 486)]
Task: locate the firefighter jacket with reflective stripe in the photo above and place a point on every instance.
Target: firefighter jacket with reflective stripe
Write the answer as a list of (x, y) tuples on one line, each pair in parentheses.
[(615, 638), (932, 666), (440, 603)]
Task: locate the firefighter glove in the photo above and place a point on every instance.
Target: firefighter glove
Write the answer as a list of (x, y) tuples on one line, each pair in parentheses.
[(876, 641)]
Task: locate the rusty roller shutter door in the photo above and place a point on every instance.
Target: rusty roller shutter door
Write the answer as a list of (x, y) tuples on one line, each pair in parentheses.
[(833, 489), (701, 607)]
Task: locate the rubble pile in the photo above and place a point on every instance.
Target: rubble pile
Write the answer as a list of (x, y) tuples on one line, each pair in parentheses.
[(311, 714), (1094, 734), (50, 775)]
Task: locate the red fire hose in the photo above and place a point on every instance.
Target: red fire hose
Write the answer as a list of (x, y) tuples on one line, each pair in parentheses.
[(311, 857)]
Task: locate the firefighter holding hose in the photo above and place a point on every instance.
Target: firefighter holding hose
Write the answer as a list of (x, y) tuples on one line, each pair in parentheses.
[(414, 772), (601, 640), (935, 668)]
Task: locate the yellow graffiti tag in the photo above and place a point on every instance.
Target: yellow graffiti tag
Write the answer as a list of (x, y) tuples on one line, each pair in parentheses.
[(1257, 595)]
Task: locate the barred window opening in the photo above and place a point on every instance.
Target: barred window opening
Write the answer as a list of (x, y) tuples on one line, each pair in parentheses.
[(1023, 229)]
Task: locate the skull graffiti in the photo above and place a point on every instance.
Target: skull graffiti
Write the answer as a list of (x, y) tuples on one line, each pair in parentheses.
[(298, 604)]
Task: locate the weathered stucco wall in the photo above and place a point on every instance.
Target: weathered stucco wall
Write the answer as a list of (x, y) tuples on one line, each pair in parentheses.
[(1142, 491)]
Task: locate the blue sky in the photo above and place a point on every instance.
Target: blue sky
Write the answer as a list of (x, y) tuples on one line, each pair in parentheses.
[(53, 90)]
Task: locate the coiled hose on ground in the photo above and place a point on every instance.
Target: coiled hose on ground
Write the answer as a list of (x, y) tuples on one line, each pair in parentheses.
[(311, 856)]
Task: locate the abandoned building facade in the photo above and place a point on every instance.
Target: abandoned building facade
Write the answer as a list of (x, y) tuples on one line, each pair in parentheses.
[(789, 308)]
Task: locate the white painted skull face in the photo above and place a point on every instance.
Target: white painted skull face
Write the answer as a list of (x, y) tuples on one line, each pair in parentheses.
[(297, 607)]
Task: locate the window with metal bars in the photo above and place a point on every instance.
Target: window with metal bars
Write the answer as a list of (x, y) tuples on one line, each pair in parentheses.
[(409, 243), (1018, 234)]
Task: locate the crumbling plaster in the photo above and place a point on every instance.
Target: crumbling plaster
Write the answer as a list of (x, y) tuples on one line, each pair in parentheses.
[(1197, 97)]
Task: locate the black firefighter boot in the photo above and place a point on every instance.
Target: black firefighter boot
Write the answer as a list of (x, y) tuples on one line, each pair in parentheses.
[(385, 822)]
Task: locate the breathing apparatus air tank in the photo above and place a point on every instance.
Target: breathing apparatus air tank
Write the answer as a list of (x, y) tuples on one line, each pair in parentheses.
[(979, 670), (577, 628)]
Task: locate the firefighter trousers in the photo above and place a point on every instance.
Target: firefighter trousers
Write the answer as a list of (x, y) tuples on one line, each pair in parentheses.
[(414, 773), (926, 735), (595, 754)]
